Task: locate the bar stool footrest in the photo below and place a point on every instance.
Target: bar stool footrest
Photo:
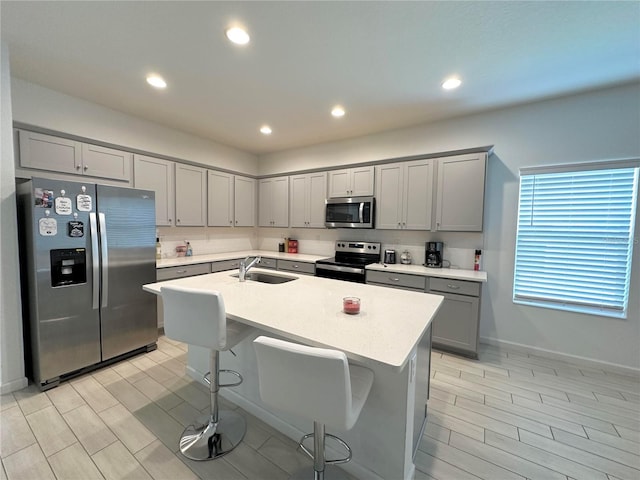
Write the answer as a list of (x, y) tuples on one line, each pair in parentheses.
[(207, 378), (327, 462)]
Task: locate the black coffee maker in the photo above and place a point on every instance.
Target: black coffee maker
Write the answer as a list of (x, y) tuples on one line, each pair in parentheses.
[(433, 255)]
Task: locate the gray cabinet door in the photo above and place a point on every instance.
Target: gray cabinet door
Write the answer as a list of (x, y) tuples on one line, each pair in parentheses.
[(298, 201), (389, 179), (191, 191), (244, 202), (151, 173), (456, 323), (362, 181), (106, 162), (219, 199), (46, 152), (317, 190), (460, 193), (273, 195), (418, 195)]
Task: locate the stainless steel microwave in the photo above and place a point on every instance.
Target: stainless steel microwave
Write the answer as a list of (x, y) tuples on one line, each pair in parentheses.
[(350, 212)]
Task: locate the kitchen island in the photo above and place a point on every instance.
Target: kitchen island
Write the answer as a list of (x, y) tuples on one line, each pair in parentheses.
[(391, 336)]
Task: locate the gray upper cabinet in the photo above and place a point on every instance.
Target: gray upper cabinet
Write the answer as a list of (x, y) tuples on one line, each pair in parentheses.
[(219, 199), (307, 199), (61, 155), (191, 196), (244, 201), (351, 182), (404, 193), (460, 193), (155, 174), (273, 199), (231, 200)]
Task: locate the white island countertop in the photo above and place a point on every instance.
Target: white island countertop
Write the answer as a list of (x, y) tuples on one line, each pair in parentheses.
[(390, 324)]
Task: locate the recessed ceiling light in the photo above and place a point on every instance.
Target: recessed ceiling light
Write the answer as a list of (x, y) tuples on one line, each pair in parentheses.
[(156, 81), (451, 83), (265, 129), (237, 35), (337, 111)]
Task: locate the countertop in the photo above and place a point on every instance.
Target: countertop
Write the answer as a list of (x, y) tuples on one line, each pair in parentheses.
[(309, 309), (453, 273), (214, 257)]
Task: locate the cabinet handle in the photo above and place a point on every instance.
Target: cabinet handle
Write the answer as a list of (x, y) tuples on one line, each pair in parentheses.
[(394, 279), (77, 167), (86, 168), (169, 220), (453, 287), (178, 221), (296, 266), (181, 271), (236, 222)]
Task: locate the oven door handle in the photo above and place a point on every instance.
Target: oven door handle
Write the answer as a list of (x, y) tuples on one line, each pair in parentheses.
[(338, 268)]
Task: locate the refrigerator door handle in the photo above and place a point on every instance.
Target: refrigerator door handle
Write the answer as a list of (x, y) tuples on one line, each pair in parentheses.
[(105, 259), (93, 225)]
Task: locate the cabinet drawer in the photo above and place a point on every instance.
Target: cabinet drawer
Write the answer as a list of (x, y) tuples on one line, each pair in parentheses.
[(223, 265), (267, 263), (299, 267), (402, 280), (459, 287), (179, 272)]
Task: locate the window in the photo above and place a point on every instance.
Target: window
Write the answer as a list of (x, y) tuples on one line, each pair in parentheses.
[(575, 237)]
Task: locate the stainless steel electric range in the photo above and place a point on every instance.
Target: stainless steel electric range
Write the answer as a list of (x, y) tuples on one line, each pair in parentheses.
[(349, 262)]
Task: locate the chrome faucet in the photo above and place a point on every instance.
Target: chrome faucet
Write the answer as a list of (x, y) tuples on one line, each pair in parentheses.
[(244, 266)]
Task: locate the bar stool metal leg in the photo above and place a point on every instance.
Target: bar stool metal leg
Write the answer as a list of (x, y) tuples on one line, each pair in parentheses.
[(217, 433), (320, 464)]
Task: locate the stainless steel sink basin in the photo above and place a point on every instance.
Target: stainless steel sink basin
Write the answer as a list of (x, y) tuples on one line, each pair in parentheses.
[(266, 277)]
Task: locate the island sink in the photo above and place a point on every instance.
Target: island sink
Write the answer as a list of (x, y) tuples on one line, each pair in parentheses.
[(266, 277)]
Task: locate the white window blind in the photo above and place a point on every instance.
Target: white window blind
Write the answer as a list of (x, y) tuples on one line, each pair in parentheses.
[(575, 239)]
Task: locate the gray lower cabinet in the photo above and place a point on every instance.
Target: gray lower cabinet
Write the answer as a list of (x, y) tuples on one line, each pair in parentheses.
[(268, 263), (397, 280), (455, 327), (171, 273), (297, 267), (223, 265)]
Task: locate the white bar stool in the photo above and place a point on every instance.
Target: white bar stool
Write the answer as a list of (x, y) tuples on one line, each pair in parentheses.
[(198, 317), (315, 383)]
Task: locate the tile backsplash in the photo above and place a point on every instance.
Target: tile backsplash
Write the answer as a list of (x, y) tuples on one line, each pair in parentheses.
[(459, 247)]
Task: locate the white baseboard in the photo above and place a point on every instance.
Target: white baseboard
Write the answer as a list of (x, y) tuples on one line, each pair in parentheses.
[(14, 385), (575, 359)]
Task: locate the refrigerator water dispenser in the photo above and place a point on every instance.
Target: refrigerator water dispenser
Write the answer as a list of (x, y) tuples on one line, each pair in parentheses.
[(68, 266)]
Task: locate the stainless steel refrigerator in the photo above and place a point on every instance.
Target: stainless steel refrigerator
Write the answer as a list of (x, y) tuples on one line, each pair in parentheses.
[(86, 250)]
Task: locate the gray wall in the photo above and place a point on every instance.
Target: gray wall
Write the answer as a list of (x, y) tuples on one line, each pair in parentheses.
[(593, 126)]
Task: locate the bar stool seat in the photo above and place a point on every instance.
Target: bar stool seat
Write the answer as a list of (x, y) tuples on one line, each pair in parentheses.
[(314, 383), (198, 317)]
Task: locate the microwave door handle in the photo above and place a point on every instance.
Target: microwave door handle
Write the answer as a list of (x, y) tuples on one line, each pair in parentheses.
[(361, 212), (95, 261), (105, 259)]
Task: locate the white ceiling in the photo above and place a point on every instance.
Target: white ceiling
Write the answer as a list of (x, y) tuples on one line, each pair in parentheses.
[(384, 61)]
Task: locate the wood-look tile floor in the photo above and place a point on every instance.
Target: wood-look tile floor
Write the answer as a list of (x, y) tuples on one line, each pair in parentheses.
[(508, 415)]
